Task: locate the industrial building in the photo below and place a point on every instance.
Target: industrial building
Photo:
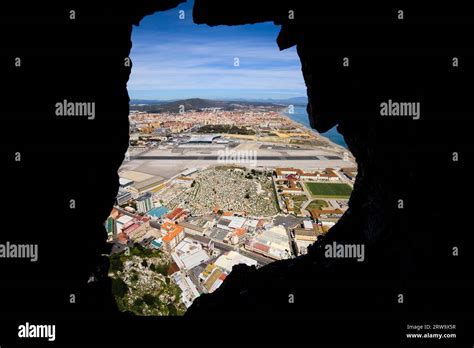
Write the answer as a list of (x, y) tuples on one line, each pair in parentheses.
[(202, 139), (141, 182)]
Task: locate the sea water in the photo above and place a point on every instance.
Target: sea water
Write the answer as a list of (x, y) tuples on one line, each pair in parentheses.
[(301, 116)]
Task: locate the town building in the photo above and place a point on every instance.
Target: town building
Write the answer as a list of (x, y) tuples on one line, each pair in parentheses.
[(327, 174), (124, 183), (350, 173), (193, 227), (214, 280), (189, 291), (273, 243), (123, 197), (232, 258), (318, 214), (122, 221), (136, 228), (189, 254), (308, 234), (172, 235), (144, 203), (231, 222), (157, 212), (110, 226), (282, 173), (176, 214), (156, 243)]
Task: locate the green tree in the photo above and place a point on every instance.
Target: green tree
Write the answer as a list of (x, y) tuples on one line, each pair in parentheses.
[(137, 305), (172, 309), (119, 287), (149, 299), (116, 263), (162, 269)]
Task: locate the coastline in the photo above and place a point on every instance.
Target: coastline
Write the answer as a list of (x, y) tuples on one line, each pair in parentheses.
[(332, 144)]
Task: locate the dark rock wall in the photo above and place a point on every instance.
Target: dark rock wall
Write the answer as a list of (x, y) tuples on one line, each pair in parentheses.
[(409, 251)]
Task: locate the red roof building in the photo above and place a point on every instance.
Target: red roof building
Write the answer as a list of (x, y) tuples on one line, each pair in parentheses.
[(175, 214)]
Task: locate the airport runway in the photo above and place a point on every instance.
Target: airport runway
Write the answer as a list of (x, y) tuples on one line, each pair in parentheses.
[(168, 162), (215, 158)]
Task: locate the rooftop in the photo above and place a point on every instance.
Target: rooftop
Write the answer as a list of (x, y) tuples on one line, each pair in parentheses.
[(316, 213), (158, 212), (232, 258), (175, 213), (173, 229)]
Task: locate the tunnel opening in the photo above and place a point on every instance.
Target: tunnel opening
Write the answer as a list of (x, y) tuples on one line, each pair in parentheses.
[(222, 168)]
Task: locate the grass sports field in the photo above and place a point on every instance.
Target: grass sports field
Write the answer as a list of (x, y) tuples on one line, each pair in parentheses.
[(328, 190)]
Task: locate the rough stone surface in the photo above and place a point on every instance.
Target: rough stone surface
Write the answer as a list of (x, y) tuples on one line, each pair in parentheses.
[(408, 250)]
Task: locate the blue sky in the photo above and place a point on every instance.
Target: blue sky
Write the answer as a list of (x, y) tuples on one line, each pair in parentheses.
[(175, 58)]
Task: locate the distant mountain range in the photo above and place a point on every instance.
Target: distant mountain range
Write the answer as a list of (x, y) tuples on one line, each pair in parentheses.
[(147, 101), (197, 104), (294, 100)]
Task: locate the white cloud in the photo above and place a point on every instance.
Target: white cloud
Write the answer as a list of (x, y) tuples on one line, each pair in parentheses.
[(191, 64)]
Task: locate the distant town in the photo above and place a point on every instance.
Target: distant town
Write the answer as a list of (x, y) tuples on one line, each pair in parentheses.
[(208, 186)]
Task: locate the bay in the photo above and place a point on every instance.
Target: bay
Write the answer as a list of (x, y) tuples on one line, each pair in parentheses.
[(301, 116)]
